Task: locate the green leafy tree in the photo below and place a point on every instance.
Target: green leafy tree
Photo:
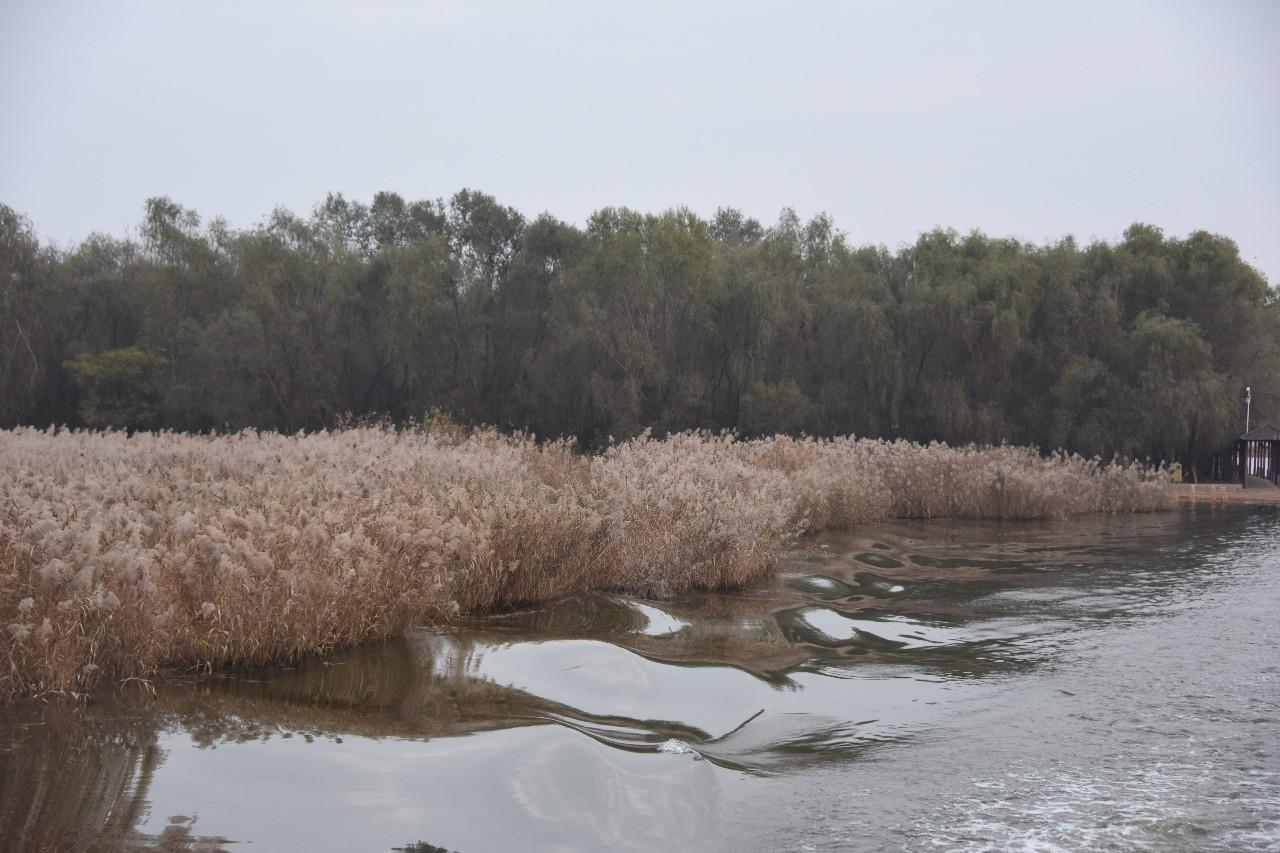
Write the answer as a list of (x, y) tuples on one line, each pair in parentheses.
[(119, 388), (662, 321)]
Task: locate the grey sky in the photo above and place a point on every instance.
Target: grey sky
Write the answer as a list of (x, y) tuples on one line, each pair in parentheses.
[(1017, 118)]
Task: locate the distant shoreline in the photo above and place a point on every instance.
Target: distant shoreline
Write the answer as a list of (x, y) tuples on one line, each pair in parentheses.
[(1224, 493)]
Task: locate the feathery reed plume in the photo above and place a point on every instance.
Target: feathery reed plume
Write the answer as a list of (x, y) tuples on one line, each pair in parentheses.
[(123, 556)]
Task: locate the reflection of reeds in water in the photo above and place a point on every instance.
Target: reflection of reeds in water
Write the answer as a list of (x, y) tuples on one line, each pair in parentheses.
[(85, 775), (73, 782), (719, 629), (78, 778), (124, 556)]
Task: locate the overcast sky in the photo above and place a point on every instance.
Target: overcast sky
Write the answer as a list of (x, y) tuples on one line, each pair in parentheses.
[(1029, 119)]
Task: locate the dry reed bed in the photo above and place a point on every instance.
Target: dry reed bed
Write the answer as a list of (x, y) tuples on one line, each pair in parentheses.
[(122, 556)]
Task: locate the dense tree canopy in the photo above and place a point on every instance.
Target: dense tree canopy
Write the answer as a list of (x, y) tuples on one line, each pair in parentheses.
[(636, 321)]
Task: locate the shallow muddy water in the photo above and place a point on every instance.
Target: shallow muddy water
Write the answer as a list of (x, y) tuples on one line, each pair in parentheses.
[(1111, 683)]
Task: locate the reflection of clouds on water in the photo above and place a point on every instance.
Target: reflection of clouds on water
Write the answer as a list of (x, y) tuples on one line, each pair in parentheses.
[(602, 722), (625, 801), (545, 785), (659, 623), (604, 680), (899, 630), (1146, 719), (599, 680)]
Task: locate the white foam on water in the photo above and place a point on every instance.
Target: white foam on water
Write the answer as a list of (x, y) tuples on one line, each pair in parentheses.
[(675, 747), (1151, 808)]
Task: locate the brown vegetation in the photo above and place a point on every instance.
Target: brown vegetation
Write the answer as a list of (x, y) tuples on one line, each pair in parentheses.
[(122, 556)]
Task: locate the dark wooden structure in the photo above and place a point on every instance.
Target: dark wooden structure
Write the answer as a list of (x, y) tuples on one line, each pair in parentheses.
[(1258, 454)]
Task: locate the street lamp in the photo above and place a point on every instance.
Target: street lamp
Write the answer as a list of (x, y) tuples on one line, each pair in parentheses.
[(1248, 398)]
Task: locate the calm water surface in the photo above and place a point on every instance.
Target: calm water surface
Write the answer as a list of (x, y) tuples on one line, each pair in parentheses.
[(1111, 683)]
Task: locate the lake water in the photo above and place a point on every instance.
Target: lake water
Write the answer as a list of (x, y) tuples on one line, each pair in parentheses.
[(1111, 683)]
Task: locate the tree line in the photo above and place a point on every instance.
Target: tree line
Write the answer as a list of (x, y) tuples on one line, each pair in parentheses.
[(1140, 347)]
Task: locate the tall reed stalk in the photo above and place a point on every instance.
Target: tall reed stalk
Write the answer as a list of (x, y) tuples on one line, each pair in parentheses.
[(122, 557)]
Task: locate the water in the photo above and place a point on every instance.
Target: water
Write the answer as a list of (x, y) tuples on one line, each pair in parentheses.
[(1112, 683)]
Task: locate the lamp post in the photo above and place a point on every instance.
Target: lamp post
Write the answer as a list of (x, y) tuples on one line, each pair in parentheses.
[(1244, 453)]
